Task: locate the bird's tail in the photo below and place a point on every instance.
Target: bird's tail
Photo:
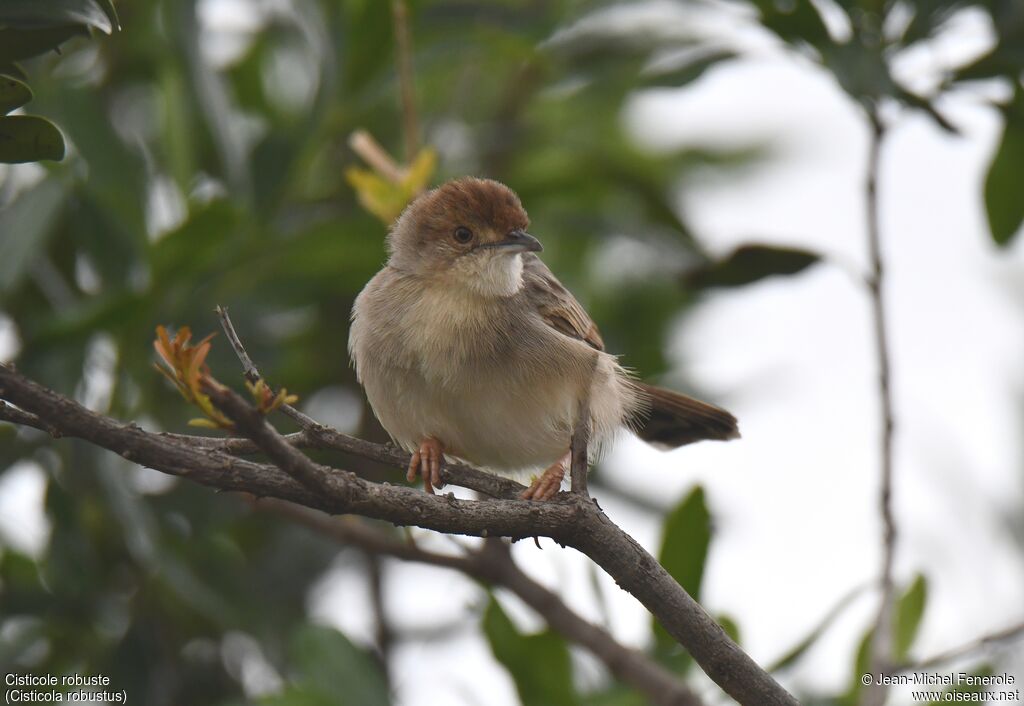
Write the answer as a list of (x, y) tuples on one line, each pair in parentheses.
[(671, 419)]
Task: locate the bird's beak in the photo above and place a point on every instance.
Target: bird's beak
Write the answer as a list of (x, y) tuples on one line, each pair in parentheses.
[(517, 241)]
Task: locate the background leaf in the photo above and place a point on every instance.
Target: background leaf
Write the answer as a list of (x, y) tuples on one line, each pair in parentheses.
[(25, 228), (1003, 201), (18, 44), (31, 14), (750, 263), (684, 550), (29, 138), (539, 663), (13, 94), (909, 611), (326, 664)]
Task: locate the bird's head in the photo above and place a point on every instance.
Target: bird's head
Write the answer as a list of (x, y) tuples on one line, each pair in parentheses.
[(468, 232)]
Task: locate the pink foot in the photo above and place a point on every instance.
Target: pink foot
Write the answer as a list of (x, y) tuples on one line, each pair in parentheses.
[(548, 484), (426, 461)]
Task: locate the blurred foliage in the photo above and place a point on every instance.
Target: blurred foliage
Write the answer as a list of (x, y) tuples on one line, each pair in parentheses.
[(684, 549), (539, 663), (209, 163), (861, 45), (908, 611), (29, 28), (747, 264)]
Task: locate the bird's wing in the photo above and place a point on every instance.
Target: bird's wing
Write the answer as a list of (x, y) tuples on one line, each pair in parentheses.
[(556, 305)]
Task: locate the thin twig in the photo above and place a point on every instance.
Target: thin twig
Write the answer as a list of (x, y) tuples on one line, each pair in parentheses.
[(385, 636), (968, 649), (252, 374), (407, 88), (250, 422), (371, 152), (882, 643)]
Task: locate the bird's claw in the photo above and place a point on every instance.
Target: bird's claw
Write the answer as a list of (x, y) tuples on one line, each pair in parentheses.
[(426, 461), (548, 484)]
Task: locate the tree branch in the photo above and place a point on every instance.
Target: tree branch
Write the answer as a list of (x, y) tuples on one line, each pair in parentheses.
[(968, 649), (570, 519), (253, 375), (494, 565), (363, 144), (882, 642), (407, 88)]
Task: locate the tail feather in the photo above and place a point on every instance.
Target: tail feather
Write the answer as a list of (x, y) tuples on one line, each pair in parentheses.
[(672, 419)]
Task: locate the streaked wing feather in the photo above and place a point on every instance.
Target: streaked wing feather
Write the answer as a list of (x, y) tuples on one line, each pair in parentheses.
[(557, 305)]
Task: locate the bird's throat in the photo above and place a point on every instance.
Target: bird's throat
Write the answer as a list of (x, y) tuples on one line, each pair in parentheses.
[(490, 274)]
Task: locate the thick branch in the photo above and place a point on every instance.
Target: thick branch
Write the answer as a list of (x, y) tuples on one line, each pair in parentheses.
[(494, 565), (570, 519)]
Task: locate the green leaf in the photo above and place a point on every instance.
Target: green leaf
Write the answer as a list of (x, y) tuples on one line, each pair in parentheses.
[(1003, 201), (323, 660), (731, 627), (25, 226), (29, 138), (386, 199), (13, 94), (684, 545), (862, 72), (750, 263), (906, 619), (539, 664), (684, 550), (794, 21), (909, 610), (18, 44), (44, 13), (617, 695)]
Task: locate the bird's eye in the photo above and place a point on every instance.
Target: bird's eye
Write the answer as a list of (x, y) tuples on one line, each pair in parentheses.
[(463, 234)]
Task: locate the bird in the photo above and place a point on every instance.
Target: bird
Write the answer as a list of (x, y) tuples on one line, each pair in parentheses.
[(467, 345)]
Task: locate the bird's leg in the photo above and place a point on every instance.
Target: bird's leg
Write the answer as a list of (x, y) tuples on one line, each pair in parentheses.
[(426, 461), (546, 486)]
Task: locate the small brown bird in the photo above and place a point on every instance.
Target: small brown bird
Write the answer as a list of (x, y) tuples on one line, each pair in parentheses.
[(467, 344)]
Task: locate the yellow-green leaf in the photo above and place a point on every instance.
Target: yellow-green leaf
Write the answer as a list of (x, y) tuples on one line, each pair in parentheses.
[(378, 196), (387, 199), (420, 171)]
